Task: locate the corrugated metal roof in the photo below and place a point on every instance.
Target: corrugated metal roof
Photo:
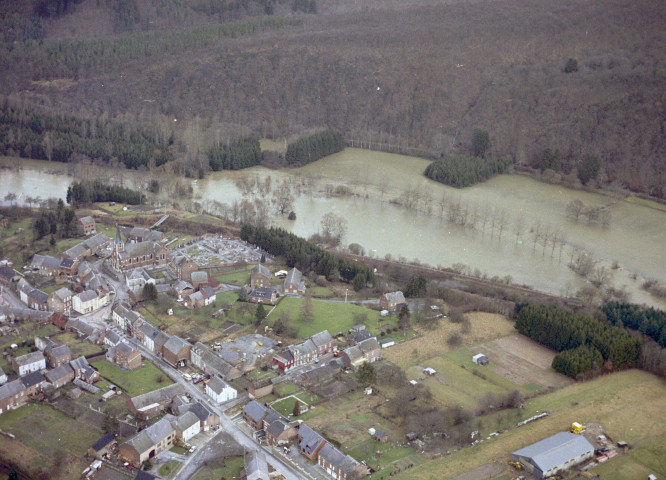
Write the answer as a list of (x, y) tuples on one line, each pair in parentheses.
[(556, 450)]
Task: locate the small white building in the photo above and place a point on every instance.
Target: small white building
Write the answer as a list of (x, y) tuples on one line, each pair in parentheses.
[(187, 426), (86, 302), (480, 359), (28, 363), (3, 377), (429, 371), (220, 391)]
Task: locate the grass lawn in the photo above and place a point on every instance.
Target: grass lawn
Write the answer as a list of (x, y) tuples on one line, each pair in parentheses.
[(169, 468), (286, 406), (48, 431), (286, 388), (321, 292), (390, 453), (78, 347), (232, 468), (604, 400), (332, 316), (235, 278), (647, 203), (179, 450), (134, 382)]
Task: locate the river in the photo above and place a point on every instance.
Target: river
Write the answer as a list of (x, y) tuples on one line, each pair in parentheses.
[(634, 238)]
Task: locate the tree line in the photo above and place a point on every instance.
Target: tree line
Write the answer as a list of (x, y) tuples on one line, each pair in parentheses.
[(566, 331), (31, 133), (80, 193), (312, 148), (648, 321), (463, 171), (304, 255), (60, 221), (242, 153)]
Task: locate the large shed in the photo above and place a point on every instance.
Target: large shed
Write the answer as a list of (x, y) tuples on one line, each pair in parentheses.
[(554, 454)]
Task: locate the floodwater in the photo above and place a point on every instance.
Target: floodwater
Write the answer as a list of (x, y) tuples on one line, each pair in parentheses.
[(634, 238)]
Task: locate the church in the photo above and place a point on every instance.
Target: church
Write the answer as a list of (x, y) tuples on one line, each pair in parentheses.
[(129, 255)]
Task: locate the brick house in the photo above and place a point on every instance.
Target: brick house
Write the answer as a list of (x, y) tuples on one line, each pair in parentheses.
[(60, 376), (309, 442), (153, 403), (392, 301), (45, 265), (293, 283), (338, 465), (296, 355), (253, 414), (58, 355), (182, 289), (266, 295), (199, 279), (60, 301), (102, 447), (280, 432), (86, 225), (12, 395), (148, 443), (176, 350), (260, 276), (182, 267), (124, 356)]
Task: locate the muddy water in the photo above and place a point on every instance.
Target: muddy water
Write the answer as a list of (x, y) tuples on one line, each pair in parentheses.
[(635, 237)]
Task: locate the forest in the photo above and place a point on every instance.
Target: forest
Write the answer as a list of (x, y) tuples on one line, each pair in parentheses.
[(565, 331), (312, 148), (305, 255), (240, 153), (83, 193), (648, 321), (374, 71), (462, 171)]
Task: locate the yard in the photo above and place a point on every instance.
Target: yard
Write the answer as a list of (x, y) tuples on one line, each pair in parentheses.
[(133, 382), (231, 469), (169, 468), (78, 347)]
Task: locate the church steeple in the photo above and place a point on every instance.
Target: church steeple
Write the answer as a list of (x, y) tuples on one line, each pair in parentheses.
[(118, 243)]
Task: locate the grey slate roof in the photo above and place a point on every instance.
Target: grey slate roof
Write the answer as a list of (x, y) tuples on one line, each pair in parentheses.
[(87, 295), (200, 411), (175, 344), (78, 250), (186, 420), (45, 261), (277, 427), (79, 363), (103, 442), (332, 455), (86, 220), (368, 345), (164, 394), (362, 335), (395, 297), (199, 277), (139, 249), (181, 285), (260, 269), (264, 293), (59, 372), (29, 358), (294, 276), (255, 410), (61, 351), (38, 296), (124, 349), (63, 293), (12, 388), (67, 263), (309, 440), (32, 379), (97, 240), (256, 467), (304, 348), (151, 436), (113, 337), (321, 338), (146, 234), (216, 384), (80, 326), (555, 450)]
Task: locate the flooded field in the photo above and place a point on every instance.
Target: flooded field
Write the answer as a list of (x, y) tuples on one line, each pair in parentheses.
[(513, 227)]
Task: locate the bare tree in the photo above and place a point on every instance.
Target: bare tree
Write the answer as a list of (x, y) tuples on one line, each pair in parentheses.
[(283, 199), (574, 209), (518, 227)]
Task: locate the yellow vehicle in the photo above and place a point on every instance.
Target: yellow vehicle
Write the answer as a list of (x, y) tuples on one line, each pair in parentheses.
[(516, 465), (576, 428)]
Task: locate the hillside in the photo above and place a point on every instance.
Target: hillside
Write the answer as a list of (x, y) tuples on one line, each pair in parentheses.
[(414, 74)]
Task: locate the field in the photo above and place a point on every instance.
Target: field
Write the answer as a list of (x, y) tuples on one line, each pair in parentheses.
[(484, 326), (603, 400), (59, 445), (134, 382)]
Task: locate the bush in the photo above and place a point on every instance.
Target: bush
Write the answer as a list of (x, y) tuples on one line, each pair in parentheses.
[(571, 66)]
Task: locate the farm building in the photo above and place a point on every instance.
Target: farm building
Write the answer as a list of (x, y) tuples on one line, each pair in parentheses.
[(554, 454), (480, 359)]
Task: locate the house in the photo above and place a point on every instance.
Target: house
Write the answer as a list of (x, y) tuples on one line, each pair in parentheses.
[(338, 465), (58, 355), (68, 267), (60, 376), (311, 349), (60, 301), (182, 289), (124, 356), (79, 365), (199, 278), (209, 295), (12, 395), (260, 276), (293, 283), (153, 403), (9, 275), (554, 454), (392, 301), (33, 298), (85, 302), (357, 328), (362, 335), (81, 328), (187, 426), (266, 295), (102, 447), (45, 265), (112, 338), (30, 362), (380, 436), (148, 443), (253, 414), (209, 362), (386, 342), (137, 279), (365, 351), (480, 359), (182, 267), (323, 372), (309, 442), (220, 391), (159, 342), (3, 377), (86, 225), (280, 432), (324, 343), (176, 350), (207, 419), (255, 467), (33, 382), (140, 234), (124, 317), (197, 300)]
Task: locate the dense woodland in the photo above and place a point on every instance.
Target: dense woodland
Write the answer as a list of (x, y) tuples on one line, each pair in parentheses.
[(312, 148), (563, 330), (463, 171), (241, 153), (648, 321), (376, 71), (305, 255), (82, 193), (57, 221)]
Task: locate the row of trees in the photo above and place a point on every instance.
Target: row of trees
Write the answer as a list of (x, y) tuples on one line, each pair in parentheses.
[(563, 330), (80, 193), (648, 321), (60, 221), (32, 133), (463, 171), (314, 147), (242, 153), (304, 255)]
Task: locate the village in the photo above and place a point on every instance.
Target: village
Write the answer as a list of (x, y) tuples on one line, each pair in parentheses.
[(174, 356)]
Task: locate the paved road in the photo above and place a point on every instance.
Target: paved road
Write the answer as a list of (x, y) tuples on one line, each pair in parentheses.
[(195, 461)]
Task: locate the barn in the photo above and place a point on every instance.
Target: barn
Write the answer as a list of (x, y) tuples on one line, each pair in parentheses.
[(554, 454)]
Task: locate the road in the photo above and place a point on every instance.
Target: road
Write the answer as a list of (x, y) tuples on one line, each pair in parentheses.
[(195, 461)]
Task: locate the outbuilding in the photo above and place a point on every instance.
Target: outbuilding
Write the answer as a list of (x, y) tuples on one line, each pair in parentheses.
[(480, 359), (554, 454)]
